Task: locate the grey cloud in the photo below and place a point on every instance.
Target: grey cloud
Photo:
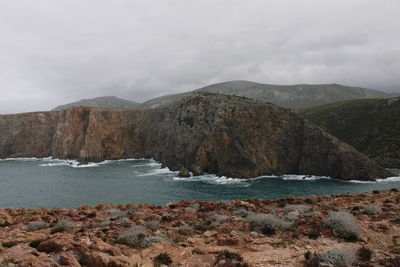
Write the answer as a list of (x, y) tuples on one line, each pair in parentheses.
[(57, 52)]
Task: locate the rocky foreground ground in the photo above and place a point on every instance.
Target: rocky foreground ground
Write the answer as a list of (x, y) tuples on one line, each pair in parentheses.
[(341, 230)]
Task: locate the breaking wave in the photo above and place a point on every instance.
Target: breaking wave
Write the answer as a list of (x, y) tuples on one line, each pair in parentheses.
[(213, 179)]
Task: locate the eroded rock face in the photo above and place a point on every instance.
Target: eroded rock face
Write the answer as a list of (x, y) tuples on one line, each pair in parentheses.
[(225, 135), (27, 134)]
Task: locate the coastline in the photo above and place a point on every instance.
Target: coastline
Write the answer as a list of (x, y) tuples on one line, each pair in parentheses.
[(196, 233)]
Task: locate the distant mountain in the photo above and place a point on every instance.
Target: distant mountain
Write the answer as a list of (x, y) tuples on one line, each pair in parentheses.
[(372, 126), (111, 102), (300, 95)]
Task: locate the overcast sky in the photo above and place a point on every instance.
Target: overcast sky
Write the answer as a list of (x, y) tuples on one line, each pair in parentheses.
[(55, 52)]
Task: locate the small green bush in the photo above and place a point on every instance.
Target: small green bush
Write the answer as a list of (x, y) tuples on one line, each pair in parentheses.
[(232, 259), (344, 225), (115, 213), (156, 239), (311, 199), (299, 208), (334, 257), (242, 213), (364, 254), (372, 209), (38, 225), (135, 237), (267, 224), (152, 225), (185, 230), (162, 259), (215, 220), (63, 226)]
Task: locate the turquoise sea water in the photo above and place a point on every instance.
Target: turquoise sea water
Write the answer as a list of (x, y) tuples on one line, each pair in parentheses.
[(33, 183)]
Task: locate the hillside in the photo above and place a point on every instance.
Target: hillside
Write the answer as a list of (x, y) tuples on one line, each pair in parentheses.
[(111, 102), (204, 133), (372, 126), (300, 95)]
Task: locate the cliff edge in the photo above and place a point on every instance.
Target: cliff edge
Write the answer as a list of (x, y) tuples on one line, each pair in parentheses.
[(225, 135)]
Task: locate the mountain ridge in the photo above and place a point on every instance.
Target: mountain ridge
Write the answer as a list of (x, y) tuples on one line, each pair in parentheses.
[(289, 96), (111, 102)]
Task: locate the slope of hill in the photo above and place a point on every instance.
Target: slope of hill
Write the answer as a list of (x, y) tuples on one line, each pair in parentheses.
[(103, 102), (203, 132), (300, 95), (372, 126)]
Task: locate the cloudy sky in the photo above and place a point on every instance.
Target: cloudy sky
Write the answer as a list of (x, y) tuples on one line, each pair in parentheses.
[(55, 52)]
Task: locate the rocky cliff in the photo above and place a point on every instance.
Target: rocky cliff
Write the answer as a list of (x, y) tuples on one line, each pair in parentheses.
[(219, 134)]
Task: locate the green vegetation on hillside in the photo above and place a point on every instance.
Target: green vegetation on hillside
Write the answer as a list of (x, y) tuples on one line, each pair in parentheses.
[(293, 96), (372, 126), (111, 102)]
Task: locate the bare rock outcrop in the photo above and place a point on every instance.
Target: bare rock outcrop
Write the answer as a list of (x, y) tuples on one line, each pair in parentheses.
[(225, 135)]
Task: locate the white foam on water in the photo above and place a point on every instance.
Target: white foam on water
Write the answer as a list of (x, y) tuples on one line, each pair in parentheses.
[(157, 172), (75, 164), (296, 177), (213, 179), (387, 180), (88, 165), (150, 164)]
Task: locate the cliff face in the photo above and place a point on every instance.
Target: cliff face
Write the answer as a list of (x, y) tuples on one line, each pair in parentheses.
[(27, 134), (225, 135)]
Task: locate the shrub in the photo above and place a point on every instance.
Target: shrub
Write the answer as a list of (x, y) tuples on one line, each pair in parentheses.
[(190, 210), (231, 259), (364, 254), (344, 225), (335, 257), (242, 213), (185, 230), (215, 220), (156, 239), (291, 217), (397, 219), (105, 223), (372, 209), (162, 259), (38, 225), (299, 208), (225, 202), (114, 213), (135, 237), (152, 225), (194, 205), (62, 226), (311, 199), (267, 224)]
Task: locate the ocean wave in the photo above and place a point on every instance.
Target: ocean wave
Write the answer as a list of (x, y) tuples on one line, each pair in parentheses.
[(296, 177), (387, 180), (51, 162), (157, 171), (213, 179), (150, 164)]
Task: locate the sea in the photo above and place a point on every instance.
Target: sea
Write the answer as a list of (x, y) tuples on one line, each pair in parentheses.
[(48, 183)]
